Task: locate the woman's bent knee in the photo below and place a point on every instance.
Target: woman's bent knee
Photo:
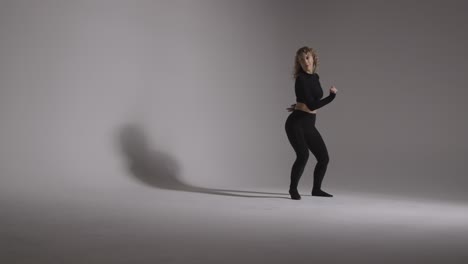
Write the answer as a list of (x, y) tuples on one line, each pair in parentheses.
[(302, 157), (324, 160)]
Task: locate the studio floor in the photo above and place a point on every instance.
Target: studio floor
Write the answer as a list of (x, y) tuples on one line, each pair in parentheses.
[(231, 226)]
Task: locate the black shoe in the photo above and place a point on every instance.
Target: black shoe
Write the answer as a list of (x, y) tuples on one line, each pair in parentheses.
[(295, 194), (319, 192)]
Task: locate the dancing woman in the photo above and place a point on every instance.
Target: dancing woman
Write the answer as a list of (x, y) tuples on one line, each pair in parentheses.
[(300, 124)]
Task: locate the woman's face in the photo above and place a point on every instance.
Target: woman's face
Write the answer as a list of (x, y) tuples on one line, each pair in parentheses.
[(307, 62)]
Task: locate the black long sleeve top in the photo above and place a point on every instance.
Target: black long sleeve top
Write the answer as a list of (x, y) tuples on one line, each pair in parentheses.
[(309, 91)]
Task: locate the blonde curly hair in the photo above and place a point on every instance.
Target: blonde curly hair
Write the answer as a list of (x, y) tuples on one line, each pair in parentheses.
[(297, 65)]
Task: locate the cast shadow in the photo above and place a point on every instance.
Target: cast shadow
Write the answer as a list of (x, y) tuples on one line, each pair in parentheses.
[(160, 170)]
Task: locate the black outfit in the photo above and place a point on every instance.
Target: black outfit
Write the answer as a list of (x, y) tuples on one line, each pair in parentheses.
[(304, 136)]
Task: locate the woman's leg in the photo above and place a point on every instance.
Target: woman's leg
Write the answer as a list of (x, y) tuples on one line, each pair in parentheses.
[(295, 133), (319, 149)]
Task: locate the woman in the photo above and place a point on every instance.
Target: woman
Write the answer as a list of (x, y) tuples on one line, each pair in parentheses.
[(300, 124)]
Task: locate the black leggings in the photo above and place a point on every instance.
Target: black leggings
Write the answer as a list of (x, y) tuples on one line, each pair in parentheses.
[(303, 135)]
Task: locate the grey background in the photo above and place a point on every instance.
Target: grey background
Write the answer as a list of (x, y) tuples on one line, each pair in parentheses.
[(107, 107), (207, 83)]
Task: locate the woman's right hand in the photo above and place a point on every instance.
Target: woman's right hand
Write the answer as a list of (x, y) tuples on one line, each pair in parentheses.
[(290, 109), (333, 89)]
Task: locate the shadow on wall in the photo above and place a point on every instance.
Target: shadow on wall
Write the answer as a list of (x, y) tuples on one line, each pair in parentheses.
[(161, 170)]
